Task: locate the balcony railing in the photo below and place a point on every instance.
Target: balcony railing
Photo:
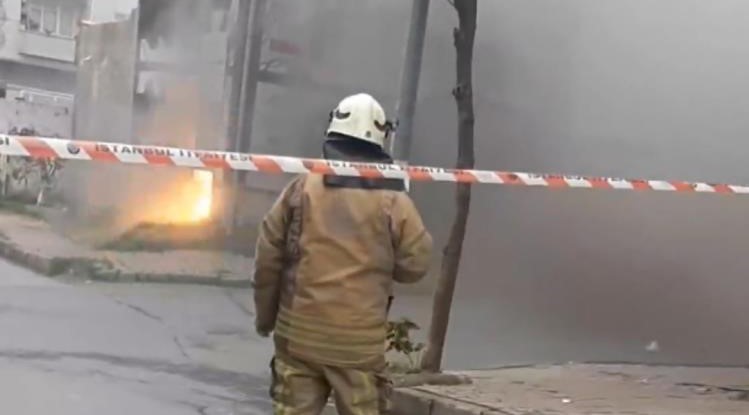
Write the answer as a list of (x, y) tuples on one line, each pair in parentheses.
[(39, 96), (46, 46)]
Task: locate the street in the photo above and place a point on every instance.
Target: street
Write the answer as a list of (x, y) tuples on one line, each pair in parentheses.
[(89, 348), (122, 349)]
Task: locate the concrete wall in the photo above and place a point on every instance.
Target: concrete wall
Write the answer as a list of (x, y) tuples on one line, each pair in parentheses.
[(22, 74), (103, 111), (52, 121)]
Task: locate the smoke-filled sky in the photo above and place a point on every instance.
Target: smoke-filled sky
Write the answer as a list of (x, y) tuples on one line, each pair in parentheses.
[(635, 88), (632, 88)]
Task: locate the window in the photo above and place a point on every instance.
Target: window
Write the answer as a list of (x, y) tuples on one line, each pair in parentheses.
[(68, 22), (50, 20), (34, 23)]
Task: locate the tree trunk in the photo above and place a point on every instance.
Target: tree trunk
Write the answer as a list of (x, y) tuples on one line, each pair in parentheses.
[(464, 37)]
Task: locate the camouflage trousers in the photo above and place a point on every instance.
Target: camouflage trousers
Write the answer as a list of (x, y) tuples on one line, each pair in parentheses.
[(301, 388)]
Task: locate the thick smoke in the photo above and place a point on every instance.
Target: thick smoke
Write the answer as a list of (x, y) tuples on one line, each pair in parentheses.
[(174, 98), (627, 89)]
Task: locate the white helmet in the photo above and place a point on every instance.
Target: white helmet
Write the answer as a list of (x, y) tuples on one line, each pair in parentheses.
[(361, 117)]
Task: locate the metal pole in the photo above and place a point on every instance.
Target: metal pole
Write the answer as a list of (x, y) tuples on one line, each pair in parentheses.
[(409, 88), (236, 56), (253, 52), (251, 67), (235, 69)]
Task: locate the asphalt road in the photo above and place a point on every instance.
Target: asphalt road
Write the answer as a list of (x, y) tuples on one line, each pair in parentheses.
[(123, 349), (170, 349)]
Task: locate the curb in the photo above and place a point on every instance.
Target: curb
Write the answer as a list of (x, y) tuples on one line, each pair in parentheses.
[(415, 402), (98, 270), (46, 266), (101, 270), (410, 399)]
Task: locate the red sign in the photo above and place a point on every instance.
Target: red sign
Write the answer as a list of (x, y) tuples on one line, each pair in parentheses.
[(284, 47)]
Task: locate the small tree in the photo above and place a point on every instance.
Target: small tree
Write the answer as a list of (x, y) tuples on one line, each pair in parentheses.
[(399, 340), (464, 36)]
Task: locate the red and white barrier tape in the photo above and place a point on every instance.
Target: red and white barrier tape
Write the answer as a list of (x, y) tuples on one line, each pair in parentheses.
[(39, 147)]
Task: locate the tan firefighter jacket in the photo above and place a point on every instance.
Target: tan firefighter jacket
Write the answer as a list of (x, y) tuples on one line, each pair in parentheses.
[(326, 260)]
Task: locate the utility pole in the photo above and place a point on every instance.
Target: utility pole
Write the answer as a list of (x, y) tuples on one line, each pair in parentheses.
[(409, 88), (248, 96), (238, 38), (245, 73), (235, 68)]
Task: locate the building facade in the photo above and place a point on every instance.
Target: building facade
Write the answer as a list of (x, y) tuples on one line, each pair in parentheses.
[(37, 43)]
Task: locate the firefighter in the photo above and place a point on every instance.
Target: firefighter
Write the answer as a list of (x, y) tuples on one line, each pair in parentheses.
[(328, 253)]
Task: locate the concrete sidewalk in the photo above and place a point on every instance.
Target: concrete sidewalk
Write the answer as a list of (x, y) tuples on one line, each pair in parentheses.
[(586, 389), (33, 244)]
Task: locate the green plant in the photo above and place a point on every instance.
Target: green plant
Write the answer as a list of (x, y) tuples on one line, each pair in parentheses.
[(48, 170), (399, 340), (24, 169)]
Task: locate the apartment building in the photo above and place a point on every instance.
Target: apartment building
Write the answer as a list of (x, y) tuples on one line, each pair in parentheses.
[(37, 43)]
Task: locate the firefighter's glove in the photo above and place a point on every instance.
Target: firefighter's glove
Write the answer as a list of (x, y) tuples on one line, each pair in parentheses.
[(264, 333)]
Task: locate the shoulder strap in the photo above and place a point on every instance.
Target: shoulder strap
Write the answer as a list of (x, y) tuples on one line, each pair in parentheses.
[(294, 230)]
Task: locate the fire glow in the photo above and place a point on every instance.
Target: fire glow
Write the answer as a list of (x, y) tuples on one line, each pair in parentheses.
[(182, 201), (177, 197), (204, 198)]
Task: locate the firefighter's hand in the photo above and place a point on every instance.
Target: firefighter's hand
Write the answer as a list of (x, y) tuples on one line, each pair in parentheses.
[(264, 333)]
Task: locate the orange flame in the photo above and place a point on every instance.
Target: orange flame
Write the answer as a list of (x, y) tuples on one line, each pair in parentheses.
[(201, 210), (180, 198)]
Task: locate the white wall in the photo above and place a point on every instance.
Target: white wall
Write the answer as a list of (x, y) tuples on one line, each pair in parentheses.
[(47, 120), (107, 10), (12, 8), (9, 28)]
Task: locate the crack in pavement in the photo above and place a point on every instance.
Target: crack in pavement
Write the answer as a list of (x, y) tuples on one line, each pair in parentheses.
[(138, 310), (154, 317), (99, 372), (180, 347), (229, 294), (199, 373)]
